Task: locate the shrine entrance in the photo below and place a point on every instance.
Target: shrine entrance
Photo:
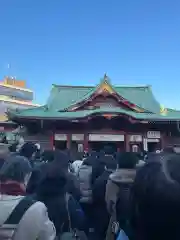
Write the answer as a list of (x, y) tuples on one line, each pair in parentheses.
[(60, 141), (99, 146), (97, 142)]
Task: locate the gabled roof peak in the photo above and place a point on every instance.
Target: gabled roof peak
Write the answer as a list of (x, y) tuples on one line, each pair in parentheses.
[(105, 79)]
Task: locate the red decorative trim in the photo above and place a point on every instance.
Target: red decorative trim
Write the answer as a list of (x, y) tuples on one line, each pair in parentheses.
[(105, 94), (68, 141)]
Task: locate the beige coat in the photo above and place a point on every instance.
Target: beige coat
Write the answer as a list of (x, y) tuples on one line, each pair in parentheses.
[(35, 223)]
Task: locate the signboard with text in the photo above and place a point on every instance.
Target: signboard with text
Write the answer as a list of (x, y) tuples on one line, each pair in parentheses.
[(60, 137), (106, 138), (153, 134), (77, 137), (135, 138)]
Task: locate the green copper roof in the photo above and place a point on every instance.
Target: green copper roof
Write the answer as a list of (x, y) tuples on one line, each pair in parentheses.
[(62, 97), (52, 114)]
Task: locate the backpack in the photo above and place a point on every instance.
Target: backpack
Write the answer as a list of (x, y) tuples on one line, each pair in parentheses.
[(120, 211), (9, 227), (73, 233), (123, 206), (85, 180)]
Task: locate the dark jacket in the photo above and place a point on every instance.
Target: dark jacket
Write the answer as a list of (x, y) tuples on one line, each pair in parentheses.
[(99, 166), (52, 193), (99, 187), (101, 215), (36, 176)]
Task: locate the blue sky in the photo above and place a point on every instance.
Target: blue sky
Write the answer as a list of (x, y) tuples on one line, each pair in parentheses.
[(76, 41)]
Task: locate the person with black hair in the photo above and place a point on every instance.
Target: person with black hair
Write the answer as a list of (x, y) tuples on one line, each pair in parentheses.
[(101, 216), (52, 191), (28, 150), (72, 186), (106, 156), (156, 200)]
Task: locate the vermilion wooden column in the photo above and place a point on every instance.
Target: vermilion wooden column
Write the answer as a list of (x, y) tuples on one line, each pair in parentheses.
[(163, 141), (86, 140), (127, 146), (68, 141)]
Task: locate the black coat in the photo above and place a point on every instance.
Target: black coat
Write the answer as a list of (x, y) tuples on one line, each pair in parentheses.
[(52, 193), (36, 177), (101, 216)]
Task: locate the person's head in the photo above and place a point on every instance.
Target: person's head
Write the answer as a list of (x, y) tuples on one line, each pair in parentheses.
[(54, 178), (156, 199), (61, 159), (28, 150), (16, 169), (127, 160)]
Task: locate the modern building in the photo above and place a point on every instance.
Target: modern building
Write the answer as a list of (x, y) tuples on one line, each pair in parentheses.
[(87, 117), (13, 95)]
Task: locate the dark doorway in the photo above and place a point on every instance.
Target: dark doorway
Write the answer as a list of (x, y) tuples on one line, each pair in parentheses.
[(153, 146), (61, 145), (99, 146)]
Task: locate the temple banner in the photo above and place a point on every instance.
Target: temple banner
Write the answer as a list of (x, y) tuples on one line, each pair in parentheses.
[(153, 134), (135, 138), (60, 137), (77, 137), (106, 137)]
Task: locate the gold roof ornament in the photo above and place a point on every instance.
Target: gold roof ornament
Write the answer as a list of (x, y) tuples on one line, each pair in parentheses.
[(105, 85), (163, 110)]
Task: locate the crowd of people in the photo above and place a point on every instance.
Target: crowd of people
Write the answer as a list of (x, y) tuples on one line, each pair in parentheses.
[(104, 195)]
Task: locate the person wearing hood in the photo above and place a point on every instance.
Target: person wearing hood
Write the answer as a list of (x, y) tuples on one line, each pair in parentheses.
[(124, 174), (52, 191), (28, 218), (118, 191)]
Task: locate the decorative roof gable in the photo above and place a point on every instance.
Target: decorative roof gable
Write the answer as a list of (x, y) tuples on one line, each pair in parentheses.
[(106, 89), (66, 97)]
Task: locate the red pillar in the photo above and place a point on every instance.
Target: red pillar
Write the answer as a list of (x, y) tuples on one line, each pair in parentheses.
[(127, 145), (86, 140), (68, 141)]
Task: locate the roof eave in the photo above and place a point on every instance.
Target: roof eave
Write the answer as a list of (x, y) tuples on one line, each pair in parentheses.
[(15, 117)]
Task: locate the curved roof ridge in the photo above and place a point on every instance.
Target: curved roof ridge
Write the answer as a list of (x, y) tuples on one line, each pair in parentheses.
[(94, 86)]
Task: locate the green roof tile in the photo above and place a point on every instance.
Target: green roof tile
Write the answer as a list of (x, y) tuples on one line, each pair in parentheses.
[(51, 114), (62, 97)]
